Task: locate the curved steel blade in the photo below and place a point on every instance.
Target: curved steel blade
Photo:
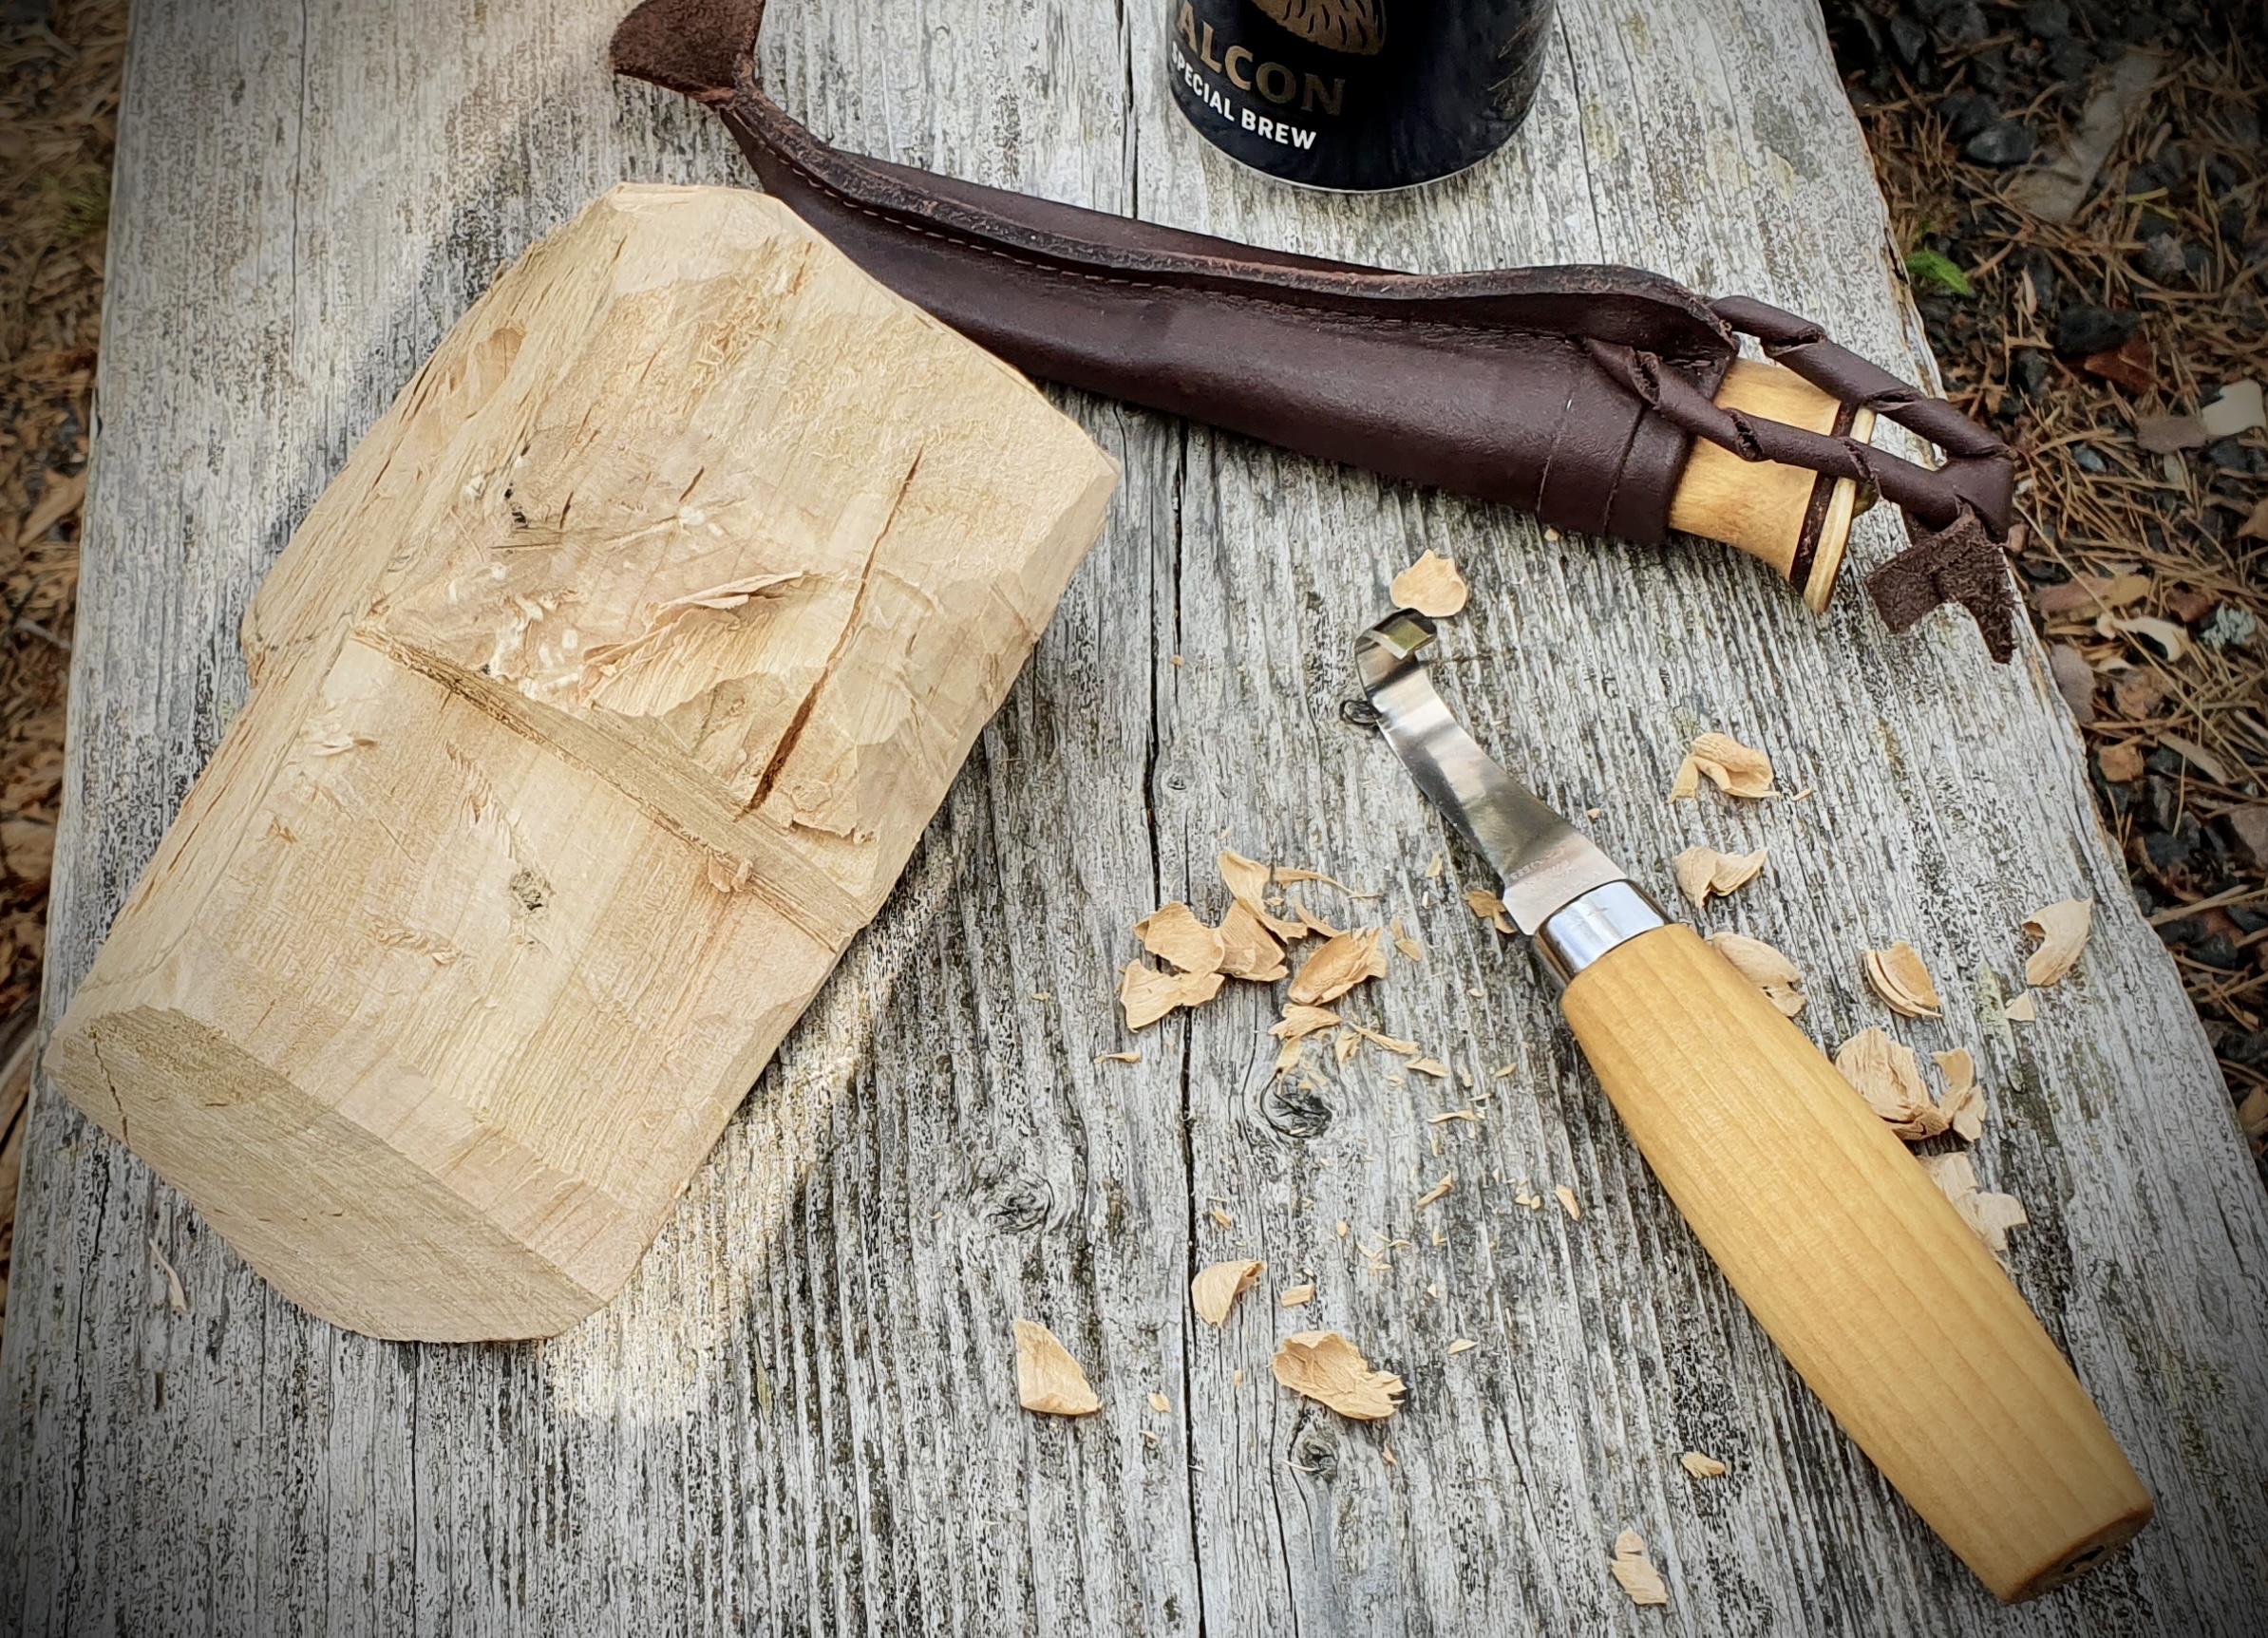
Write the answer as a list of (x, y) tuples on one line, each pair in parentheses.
[(1545, 862)]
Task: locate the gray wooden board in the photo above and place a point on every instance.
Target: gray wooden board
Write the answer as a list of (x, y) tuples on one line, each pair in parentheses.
[(801, 1417)]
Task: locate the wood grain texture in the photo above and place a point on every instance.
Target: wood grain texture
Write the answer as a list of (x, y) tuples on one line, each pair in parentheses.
[(1888, 1304), (801, 1417)]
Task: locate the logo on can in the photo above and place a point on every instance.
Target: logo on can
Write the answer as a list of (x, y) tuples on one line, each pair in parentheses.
[(1357, 94)]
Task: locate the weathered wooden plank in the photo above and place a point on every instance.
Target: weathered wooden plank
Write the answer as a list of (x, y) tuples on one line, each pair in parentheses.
[(800, 1415)]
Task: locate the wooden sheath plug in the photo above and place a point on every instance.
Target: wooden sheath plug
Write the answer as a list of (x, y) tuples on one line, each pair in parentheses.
[(1797, 521), (597, 703), (1884, 1300)]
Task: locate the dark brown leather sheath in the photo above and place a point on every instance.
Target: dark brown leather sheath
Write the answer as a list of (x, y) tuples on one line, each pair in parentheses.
[(1572, 393)]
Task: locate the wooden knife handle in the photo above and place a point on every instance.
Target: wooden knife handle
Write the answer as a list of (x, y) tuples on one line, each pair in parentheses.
[(1891, 1308)]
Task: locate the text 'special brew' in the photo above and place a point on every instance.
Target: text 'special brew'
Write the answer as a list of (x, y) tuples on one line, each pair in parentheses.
[(1357, 94)]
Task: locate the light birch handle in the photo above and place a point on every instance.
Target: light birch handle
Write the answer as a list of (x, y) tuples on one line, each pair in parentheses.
[(1891, 1308), (1761, 507)]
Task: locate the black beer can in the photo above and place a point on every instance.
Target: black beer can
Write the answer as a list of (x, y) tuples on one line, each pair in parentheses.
[(1357, 94)]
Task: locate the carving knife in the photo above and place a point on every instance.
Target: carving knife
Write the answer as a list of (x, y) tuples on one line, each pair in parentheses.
[(1889, 1307)]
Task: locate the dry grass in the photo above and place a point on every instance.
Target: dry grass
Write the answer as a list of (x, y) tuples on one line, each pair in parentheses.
[(2183, 530), (58, 89)]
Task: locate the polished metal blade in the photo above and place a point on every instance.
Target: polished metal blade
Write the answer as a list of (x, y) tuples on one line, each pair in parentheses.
[(1545, 862)]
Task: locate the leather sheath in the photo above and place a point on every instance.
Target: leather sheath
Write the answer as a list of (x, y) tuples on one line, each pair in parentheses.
[(1572, 393)]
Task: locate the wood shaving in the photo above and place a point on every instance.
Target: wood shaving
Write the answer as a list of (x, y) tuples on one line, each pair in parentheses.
[(1432, 1066), (1247, 882), (1248, 950), (1289, 1056), (1288, 876), (1473, 1115), (1431, 586), (1962, 1101), (1411, 950), (1764, 967), (1489, 908), (1299, 1022), (1461, 1345), (1991, 1215), (1313, 923), (1436, 865), (1326, 1367), (2023, 1009), (1134, 1057), (1342, 963), (1635, 1571), (176, 1298), (1900, 978), (1148, 994), (1573, 1206), (1437, 1192), (1344, 1044), (1730, 766), (1237, 1380), (1533, 1202), (1175, 937), (1295, 1297), (1214, 1291), (2062, 930), (1703, 872), (1049, 1381), (1393, 1043), (1703, 1466), (1221, 1218), (1160, 1404), (1888, 1076)]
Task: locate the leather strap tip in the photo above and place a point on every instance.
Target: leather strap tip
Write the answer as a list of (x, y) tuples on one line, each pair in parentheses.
[(1959, 563)]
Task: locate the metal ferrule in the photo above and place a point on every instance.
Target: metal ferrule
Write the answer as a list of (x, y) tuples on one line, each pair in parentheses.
[(1585, 929)]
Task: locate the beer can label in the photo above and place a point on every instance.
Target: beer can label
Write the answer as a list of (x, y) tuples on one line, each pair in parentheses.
[(1357, 94)]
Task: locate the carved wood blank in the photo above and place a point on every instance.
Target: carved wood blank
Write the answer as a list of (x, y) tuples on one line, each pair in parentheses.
[(597, 703)]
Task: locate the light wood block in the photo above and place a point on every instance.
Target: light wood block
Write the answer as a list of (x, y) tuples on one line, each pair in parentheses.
[(597, 703)]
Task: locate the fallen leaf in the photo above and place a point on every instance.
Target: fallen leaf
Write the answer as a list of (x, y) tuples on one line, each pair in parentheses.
[(1326, 1367), (2121, 764), (1989, 1216), (2255, 526), (1247, 880), (1214, 1291), (1573, 1207), (2189, 604), (1342, 963), (1888, 1076), (1118, 1056), (1248, 950), (2137, 695), (1962, 1101), (1702, 1466), (1174, 935), (2023, 1009), (2163, 434), (2133, 366), (1149, 996), (1431, 586), (1731, 766), (1048, 1379), (2062, 930), (1437, 1192), (1299, 1022), (1703, 871), (2169, 639), (1899, 977), (1432, 1066), (1635, 1571), (2249, 825), (2234, 410), (1461, 1346), (1764, 967), (1295, 1297), (1489, 908), (2074, 680), (1160, 1404), (2204, 761), (2090, 592)]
